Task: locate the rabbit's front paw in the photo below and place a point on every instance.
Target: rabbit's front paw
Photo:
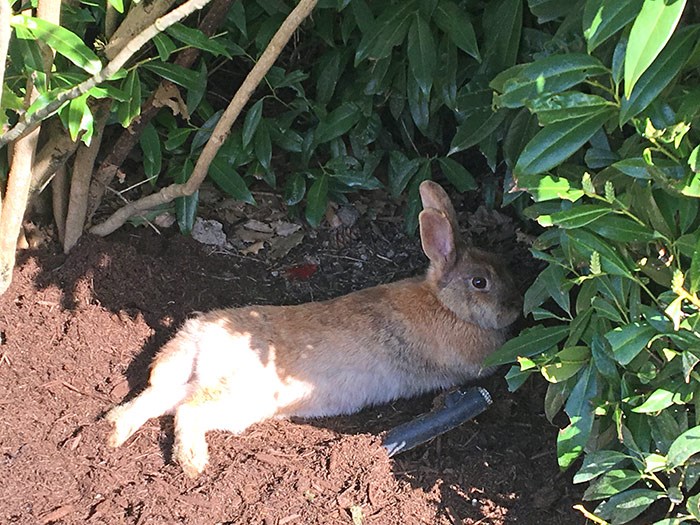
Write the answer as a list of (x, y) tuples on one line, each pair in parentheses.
[(192, 454)]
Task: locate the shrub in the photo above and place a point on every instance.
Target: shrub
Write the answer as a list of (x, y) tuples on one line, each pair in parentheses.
[(604, 126)]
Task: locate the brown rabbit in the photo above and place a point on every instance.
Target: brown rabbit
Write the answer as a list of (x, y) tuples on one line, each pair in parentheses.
[(228, 369)]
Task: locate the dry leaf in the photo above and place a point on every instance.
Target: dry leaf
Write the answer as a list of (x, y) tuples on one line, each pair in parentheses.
[(258, 226), (246, 235), (169, 96), (280, 246), (253, 248), (285, 229)]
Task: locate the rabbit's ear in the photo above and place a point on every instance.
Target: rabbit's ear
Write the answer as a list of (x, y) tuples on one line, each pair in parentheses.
[(437, 238), (432, 195)]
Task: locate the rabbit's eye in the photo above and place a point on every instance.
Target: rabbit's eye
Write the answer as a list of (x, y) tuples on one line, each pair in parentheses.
[(479, 283)]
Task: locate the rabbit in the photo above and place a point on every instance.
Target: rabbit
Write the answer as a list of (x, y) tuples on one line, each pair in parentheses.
[(228, 369)]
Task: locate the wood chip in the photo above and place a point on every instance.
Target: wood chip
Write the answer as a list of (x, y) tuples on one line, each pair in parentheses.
[(59, 513)]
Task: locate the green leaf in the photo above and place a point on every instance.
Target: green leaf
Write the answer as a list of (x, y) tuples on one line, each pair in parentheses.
[(651, 30), (457, 174), (118, 5), (229, 180), (693, 506), (452, 20), (329, 71), (515, 377), (628, 341), (195, 95), (195, 38), (573, 438), (80, 119), (552, 74), (576, 217), (129, 110), (521, 130), (294, 189), (586, 243), (186, 207), (422, 56), (685, 446), (164, 45), (60, 39), (388, 31), (547, 187), (152, 155), (621, 229), (531, 341), (176, 138), (565, 106), (627, 505), (657, 400), (557, 142), (473, 130), (174, 73), (661, 72), (317, 200), (603, 18), (401, 170), (418, 104), (338, 122), (611, 483), (548, 10), (694, 272), (555, 398), (694, 160), (598, 463), (537, 293), (635, 167), (502, 27), (561, 370), (263, 145)]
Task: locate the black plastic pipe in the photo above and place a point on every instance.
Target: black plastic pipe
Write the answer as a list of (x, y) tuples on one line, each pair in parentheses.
[(460, 406)]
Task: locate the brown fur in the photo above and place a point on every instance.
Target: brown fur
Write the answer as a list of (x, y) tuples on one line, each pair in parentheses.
[(228, 369)]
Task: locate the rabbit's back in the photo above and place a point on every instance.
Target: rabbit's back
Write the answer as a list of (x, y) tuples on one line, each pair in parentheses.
[(336, 356)]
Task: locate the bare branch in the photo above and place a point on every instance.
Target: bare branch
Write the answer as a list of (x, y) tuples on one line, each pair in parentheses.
[(222, 129), (59, 200), (27, 124), (80, 181), (15, 202)]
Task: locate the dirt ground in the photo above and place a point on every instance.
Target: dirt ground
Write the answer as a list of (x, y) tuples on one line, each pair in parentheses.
[(77, 333)]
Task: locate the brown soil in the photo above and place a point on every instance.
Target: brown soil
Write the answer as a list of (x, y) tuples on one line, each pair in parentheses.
[(76, 336)]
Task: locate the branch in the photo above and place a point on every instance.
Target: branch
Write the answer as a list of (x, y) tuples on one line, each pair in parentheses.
[(222, 129), (27, 124), (80, 182)]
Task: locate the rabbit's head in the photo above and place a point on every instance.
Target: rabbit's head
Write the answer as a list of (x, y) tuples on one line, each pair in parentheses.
[(475, 285)]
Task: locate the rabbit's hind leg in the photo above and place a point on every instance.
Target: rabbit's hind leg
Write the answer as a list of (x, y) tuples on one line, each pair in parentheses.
[(213, 408), (129, 417), (168, 386)]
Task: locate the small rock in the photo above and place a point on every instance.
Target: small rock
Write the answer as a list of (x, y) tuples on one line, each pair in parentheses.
[(209, 232)]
